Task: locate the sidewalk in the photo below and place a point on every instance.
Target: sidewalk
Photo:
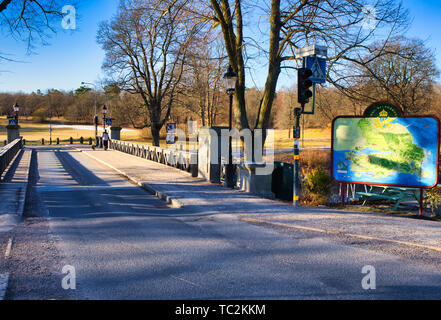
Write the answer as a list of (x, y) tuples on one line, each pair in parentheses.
[(13, 190), (203, 198)]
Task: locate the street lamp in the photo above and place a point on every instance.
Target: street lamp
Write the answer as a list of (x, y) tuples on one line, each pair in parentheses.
[(230, 79), (16, 110), (95, 119)]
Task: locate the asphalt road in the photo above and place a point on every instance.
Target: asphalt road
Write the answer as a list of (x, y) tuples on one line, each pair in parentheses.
[(126, 244)]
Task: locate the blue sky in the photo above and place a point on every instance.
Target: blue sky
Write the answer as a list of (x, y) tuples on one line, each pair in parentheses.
[(73, 57), (70, 58)]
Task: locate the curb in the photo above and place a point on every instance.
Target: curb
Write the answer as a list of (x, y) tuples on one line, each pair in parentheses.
[(405, 243), (159, 194), (4, 279), (25, 192), (11, 164)]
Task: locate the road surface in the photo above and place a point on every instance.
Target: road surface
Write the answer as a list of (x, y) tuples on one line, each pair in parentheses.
[(124, 243)]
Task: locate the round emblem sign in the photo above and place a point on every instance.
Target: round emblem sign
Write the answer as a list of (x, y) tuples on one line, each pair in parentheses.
[(383, 110)]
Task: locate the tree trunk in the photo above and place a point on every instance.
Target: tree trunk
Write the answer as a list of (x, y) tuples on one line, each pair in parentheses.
[(155, 129), (273, 68)]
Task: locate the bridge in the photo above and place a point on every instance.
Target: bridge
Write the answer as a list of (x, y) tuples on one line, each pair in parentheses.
[(135, 222)]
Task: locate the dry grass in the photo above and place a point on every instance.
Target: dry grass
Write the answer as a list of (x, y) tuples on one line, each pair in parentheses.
[(316, 158), (308, 158), (312, 138), (36, 131)]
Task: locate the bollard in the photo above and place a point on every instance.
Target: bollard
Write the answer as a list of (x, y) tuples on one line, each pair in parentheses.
[(81, 140), (5, 142), (24, 142), (58, 140), (90, 141), (42, 141), (71, 140)]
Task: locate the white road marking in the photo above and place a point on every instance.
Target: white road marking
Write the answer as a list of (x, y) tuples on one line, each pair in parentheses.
[(187, 281), (66, 188), (4, 279), (9, 247)]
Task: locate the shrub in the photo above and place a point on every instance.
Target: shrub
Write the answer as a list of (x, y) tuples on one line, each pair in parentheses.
[(433, 197), (317, 185), (39, 115), (315, 158)]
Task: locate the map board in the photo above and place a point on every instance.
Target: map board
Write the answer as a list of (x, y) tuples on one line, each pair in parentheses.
[(402, 151)]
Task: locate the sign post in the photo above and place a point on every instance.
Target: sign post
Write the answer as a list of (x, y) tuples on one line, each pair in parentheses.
[(296, 168)]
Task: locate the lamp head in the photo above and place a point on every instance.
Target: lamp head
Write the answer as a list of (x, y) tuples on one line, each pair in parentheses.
[(230, 79)]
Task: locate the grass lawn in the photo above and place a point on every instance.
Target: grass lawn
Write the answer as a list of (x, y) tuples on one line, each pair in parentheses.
[(312, 138), (36, 131)]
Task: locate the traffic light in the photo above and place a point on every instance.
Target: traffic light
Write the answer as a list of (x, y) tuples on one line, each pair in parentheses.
[(304, 85)]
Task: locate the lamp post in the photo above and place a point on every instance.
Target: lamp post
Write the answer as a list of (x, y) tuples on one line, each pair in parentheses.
[(95, 119), (230, 78), (104, 116), (50, 123), (16, 110), (104, 123)]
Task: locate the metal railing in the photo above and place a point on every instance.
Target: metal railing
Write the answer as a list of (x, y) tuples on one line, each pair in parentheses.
[(181, 159), (8, 153), (56, 141)]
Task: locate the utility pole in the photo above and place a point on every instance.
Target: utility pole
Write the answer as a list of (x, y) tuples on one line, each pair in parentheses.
[(95, 118), (50, 121)]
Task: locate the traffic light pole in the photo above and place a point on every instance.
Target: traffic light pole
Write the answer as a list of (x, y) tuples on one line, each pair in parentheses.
[(304, 93), (296, 171)]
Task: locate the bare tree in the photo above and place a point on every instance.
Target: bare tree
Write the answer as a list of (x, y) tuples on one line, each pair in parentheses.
[(404, 74), (201, 85), (29, 20), (146, 47), (291, 24)]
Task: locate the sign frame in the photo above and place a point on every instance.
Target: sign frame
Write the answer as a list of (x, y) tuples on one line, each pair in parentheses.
[(386, 184)]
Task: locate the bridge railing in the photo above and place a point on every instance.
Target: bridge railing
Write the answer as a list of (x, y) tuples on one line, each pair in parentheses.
[(8, 152), (181, 159)]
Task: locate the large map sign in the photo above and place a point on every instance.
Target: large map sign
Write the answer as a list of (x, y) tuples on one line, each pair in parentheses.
[(386, 151)]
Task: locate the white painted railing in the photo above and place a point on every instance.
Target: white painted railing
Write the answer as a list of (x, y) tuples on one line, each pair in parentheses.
[(184, 160)]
